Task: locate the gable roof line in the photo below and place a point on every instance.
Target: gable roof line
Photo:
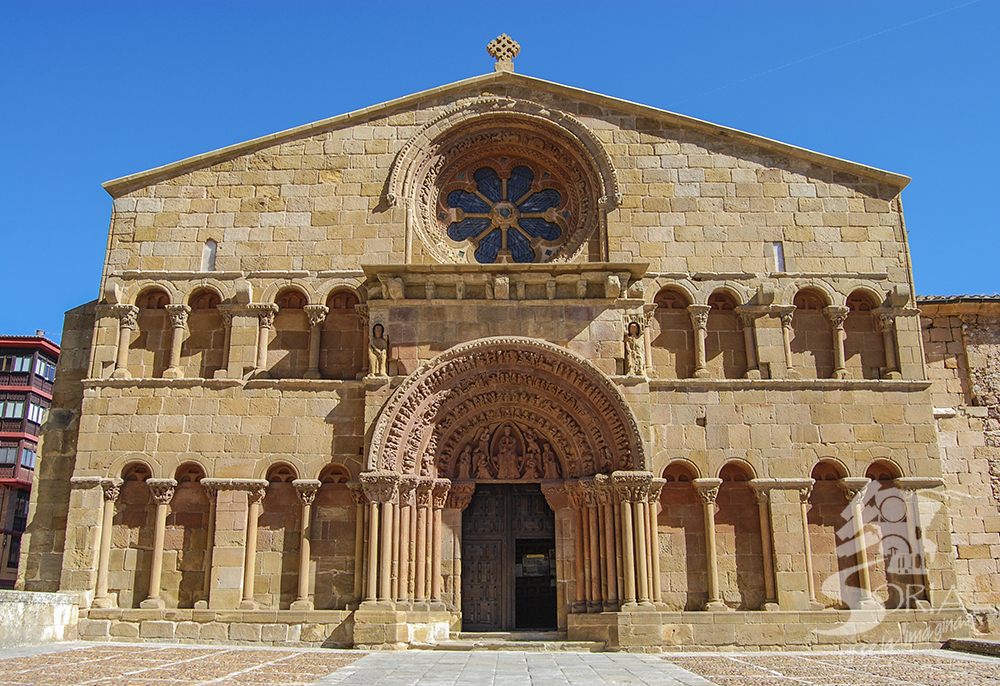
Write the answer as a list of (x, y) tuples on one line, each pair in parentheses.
[(120, 186)]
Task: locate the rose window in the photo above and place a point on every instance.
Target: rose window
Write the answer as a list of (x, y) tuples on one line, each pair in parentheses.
[(506, 216)]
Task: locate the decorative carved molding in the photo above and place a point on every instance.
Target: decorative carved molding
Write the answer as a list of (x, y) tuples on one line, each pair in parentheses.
[(446, 409), (234, 484)]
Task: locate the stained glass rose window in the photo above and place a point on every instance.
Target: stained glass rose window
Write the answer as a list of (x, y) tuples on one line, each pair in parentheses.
[(506, 215)]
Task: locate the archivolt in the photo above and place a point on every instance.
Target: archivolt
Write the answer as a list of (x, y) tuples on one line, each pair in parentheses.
[(524, 382)]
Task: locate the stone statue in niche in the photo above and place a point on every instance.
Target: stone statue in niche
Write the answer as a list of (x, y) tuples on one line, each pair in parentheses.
[(508, 462), (549, 463), (378, 352), (635, 364), (465, 463)]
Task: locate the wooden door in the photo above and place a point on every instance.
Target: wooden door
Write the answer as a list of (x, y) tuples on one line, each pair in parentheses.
[(500, 517)]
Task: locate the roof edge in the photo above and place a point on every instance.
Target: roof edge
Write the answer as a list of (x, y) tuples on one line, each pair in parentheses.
[(125, 184)]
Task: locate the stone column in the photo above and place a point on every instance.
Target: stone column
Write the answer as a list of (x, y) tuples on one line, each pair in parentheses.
[(425, 495), (317, 315), (361, 509), (653, 508), (407, 490), (787, 315), (265, 314), (648, 311), (804, 494), (227, 340), (206, 587), (381, 489), (178, 322), (708, 491), (606, 498), (306, 489), (748, 315), (791, 557), (592, 545), (112, 489), (837, 314), (163, 493), (919, 564), (128, 321), (762, 488), (854, 490), (440, 497), (574, 494), (885, 319), (699, 321), (254, 499), (632, 489)]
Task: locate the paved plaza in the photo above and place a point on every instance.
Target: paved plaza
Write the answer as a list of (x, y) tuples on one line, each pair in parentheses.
[(159, 665)]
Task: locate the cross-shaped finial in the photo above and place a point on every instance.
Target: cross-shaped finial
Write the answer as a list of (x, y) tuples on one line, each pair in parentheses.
[(503, 49)]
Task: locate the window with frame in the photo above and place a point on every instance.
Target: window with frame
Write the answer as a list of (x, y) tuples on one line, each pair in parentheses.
[(8, 455), (28, 458), (15, 363), (15, 552), (45, 369), (21, 511), (36, 413), (11, 409)]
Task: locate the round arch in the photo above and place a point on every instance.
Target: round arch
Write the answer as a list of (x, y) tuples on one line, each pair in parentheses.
[(496, 397)]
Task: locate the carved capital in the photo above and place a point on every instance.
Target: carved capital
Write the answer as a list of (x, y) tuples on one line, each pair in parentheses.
[(440, 493), (460, 494), (655, 487), (256, 495), (306, 489), (380, 486), (265, 313), (112, 488), (699, 315), (233, 484), (357, 492), (837, 314), (178, 315), (853, 487), (425, 492), (786, 313), (632, 487), (574, 493), (748, 314), (128, 316), (707, 489), (605, 491), (211, 490), (591, 492), (316, 313), (407, 490), (162, 490)]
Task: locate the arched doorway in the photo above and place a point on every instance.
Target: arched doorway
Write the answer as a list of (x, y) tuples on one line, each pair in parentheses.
[(505, 455)]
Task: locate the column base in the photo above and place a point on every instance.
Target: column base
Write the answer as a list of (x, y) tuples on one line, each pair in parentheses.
[(839, 374), (717, 606), (106, 603), (869, 604), (893, 375), (249, 605), (121, 374), (302, 604), (312, 374), (702, 373), (201, 605), (771, 606), (152, 604), (752, 374), (259, 374), (173, 373), (792, 374), (638, 606), (221, 374)]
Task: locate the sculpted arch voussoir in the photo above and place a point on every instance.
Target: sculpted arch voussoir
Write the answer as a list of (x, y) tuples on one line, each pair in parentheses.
[(564, 403)]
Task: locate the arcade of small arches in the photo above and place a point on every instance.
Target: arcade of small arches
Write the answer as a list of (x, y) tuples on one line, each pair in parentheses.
[(190, 335), (716, 338), (680, 542)]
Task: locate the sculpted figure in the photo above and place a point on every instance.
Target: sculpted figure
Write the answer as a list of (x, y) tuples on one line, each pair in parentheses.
[(378, 352), (549, 463), (465, 463), (481, 457), (634, 351), (530, 466), (508, 461)]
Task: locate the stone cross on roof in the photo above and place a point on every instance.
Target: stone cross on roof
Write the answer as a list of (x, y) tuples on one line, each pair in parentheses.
[(503, 49)]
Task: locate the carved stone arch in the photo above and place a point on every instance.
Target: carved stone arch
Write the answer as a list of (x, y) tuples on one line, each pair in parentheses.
[(463, 396), (274, 288), (219, 288), (134, 290), (787, 295), (119, 465), (526, 129), (265, 465), (682, 286), (877, 295), (327, 288)]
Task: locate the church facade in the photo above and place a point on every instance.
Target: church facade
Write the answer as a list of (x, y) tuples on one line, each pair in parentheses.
[(503, 355)]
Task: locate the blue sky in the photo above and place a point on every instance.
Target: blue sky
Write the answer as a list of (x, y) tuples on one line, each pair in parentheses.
[(97, 90)]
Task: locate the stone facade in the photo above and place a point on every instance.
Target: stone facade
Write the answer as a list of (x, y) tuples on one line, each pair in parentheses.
[(701, 346)]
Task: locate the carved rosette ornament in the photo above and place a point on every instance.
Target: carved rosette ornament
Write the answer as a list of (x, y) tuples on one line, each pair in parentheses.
[(162, 490), (523, 405)]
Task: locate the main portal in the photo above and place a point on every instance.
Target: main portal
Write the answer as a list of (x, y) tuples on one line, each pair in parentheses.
[(508, 560)]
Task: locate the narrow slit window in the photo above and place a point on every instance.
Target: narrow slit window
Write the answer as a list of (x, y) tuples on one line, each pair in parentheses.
[(208, 256), (776, 253)]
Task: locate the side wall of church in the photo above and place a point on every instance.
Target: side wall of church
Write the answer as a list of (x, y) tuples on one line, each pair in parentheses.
[(962, 341)]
